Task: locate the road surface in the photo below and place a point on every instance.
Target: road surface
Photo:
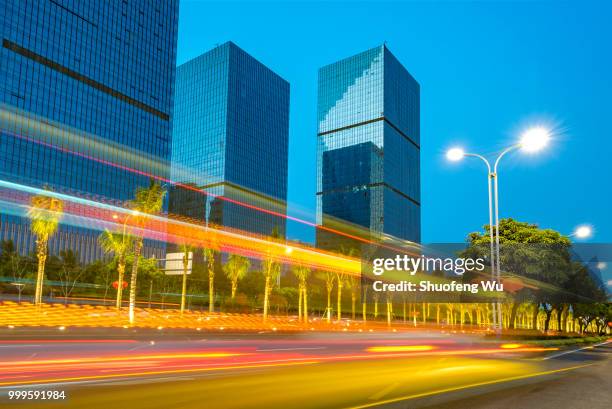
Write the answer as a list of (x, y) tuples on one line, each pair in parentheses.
[(303, 371)]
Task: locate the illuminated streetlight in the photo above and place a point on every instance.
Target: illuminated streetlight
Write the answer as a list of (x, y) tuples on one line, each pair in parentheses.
[(534, 139), (455, 154), (584, 231)]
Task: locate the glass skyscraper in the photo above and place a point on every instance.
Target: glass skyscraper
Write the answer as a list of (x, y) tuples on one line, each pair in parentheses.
[(368, 149), (86, 103), (230, 142)]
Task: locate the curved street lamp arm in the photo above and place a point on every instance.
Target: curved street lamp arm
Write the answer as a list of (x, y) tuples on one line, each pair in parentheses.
[(504, 152), (475, 155)]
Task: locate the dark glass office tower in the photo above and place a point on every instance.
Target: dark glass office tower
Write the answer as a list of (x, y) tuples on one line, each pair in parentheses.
[(368, 149), (86, 100), (230, 142)]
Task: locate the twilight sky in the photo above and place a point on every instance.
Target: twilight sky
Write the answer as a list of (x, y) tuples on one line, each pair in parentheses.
[(487, 70)]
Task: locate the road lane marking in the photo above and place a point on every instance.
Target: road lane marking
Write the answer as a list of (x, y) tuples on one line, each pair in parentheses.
[(457, 388), (575, 350)]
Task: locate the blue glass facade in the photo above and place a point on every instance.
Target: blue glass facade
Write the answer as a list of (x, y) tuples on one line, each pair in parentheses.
[(368, 148), (230, 140), (86, 99)]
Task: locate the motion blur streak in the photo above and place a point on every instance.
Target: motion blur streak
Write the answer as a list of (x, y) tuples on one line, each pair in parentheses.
[(71, 369), (104, 149), (400, 348), (149, 373), (123, 358), (510, 346), (100, 216)]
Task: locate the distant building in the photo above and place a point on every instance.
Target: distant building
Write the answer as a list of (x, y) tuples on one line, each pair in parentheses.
[(230, 142), (85, 84), (368, 149)]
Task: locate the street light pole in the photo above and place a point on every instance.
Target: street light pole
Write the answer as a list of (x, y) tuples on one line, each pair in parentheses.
[(532, 140), (457, 155), (497, 256)]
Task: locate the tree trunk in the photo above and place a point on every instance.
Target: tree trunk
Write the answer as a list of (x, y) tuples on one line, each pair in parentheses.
[(328, 305), (211, 286), (137, 250), (300, 292), (534, 317), (184, 288), (560, 312), (375, 308), (121, 271), (305, 301), (353, 302), (266, 297), (547, 322), (515, 306), (339, 299), (363, 311), (424, 311), (234, 288), (41, 245)]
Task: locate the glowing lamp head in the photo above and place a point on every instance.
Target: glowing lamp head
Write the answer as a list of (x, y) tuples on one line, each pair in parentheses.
[(455, 154), (535, 139), (583, 232)]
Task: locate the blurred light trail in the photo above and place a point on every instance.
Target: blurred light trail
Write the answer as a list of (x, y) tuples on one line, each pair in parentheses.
[(401, 348), (510, 346), (147, 373), (84, 367), (195, 189), (178, 231), (121, 358)]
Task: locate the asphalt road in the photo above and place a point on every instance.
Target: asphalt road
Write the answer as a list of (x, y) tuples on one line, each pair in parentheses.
[(314, 371)]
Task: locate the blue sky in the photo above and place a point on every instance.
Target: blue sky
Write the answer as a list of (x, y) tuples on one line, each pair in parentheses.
[(487, 70)]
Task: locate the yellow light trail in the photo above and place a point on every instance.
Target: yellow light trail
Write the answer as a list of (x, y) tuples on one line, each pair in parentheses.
[(121, 358), (149, 373), (401, 348)]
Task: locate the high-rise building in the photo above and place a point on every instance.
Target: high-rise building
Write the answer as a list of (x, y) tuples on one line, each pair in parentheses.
[(230, 142), (368, 150), (86, 101)]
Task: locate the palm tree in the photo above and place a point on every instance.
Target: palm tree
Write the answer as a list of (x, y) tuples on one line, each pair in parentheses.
[(147, 201), (302, 273), (44, 214), (210, 253), (236, 269), (186, 249), (119, 244)]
